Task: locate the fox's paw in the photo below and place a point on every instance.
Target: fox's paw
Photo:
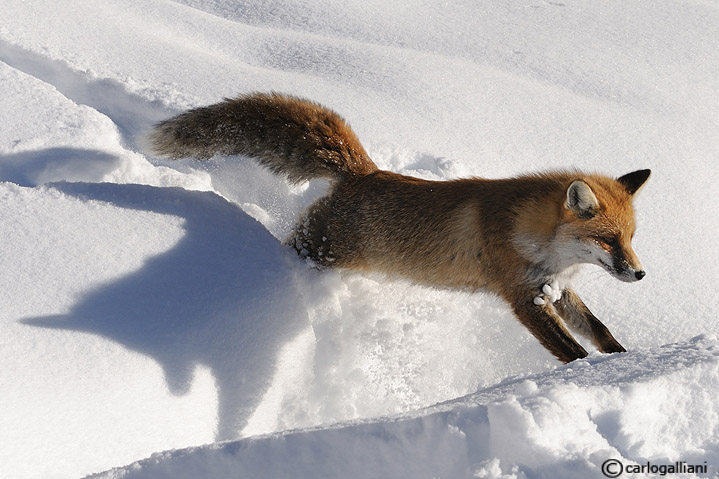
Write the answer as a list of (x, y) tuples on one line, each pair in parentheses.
[(551, 294)]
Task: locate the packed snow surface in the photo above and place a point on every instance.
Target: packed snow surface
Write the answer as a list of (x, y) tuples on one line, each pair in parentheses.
[(149, 306)]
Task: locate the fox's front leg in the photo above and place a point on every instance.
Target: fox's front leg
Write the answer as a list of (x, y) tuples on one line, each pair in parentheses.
[(580, 319), (545, 324)]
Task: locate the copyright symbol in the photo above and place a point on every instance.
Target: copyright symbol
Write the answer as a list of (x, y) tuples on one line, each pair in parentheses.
[(612, 468)]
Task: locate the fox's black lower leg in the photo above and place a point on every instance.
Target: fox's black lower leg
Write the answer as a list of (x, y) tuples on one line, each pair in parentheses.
[(547, 326), (580, 319)]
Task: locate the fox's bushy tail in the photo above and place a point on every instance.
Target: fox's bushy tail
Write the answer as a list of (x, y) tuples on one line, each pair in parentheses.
[(291, 136)]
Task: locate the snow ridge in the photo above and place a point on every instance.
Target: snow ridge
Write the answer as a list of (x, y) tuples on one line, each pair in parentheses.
[(562, 424)]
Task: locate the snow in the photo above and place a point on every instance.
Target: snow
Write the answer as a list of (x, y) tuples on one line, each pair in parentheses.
[(552, 293), (149, 306), (560, 424)]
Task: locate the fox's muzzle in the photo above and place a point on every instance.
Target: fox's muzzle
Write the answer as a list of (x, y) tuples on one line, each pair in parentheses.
[(626, 272)]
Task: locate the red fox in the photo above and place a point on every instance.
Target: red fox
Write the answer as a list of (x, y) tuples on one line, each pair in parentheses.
[(521, 238)]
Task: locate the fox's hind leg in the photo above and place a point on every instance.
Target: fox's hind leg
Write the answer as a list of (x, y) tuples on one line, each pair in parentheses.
[(581, 320), (310, 237)]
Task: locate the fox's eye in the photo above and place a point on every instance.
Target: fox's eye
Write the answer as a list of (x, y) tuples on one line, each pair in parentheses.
[(609, 241)]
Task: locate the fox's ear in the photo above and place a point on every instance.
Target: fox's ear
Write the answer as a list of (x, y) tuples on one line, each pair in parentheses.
[(581, 199), (634, 181)]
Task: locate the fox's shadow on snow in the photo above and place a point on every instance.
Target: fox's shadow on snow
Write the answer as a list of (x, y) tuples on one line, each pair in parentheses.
[(223, 297)]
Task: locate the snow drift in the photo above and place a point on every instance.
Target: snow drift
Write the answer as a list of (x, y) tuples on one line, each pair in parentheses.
[(562, 425)]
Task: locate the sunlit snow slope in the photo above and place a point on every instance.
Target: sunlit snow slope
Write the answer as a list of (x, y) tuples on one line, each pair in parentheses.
[(149, 305)]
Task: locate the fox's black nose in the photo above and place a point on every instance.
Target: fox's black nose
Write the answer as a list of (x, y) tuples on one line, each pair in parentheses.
[(640, 274)]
